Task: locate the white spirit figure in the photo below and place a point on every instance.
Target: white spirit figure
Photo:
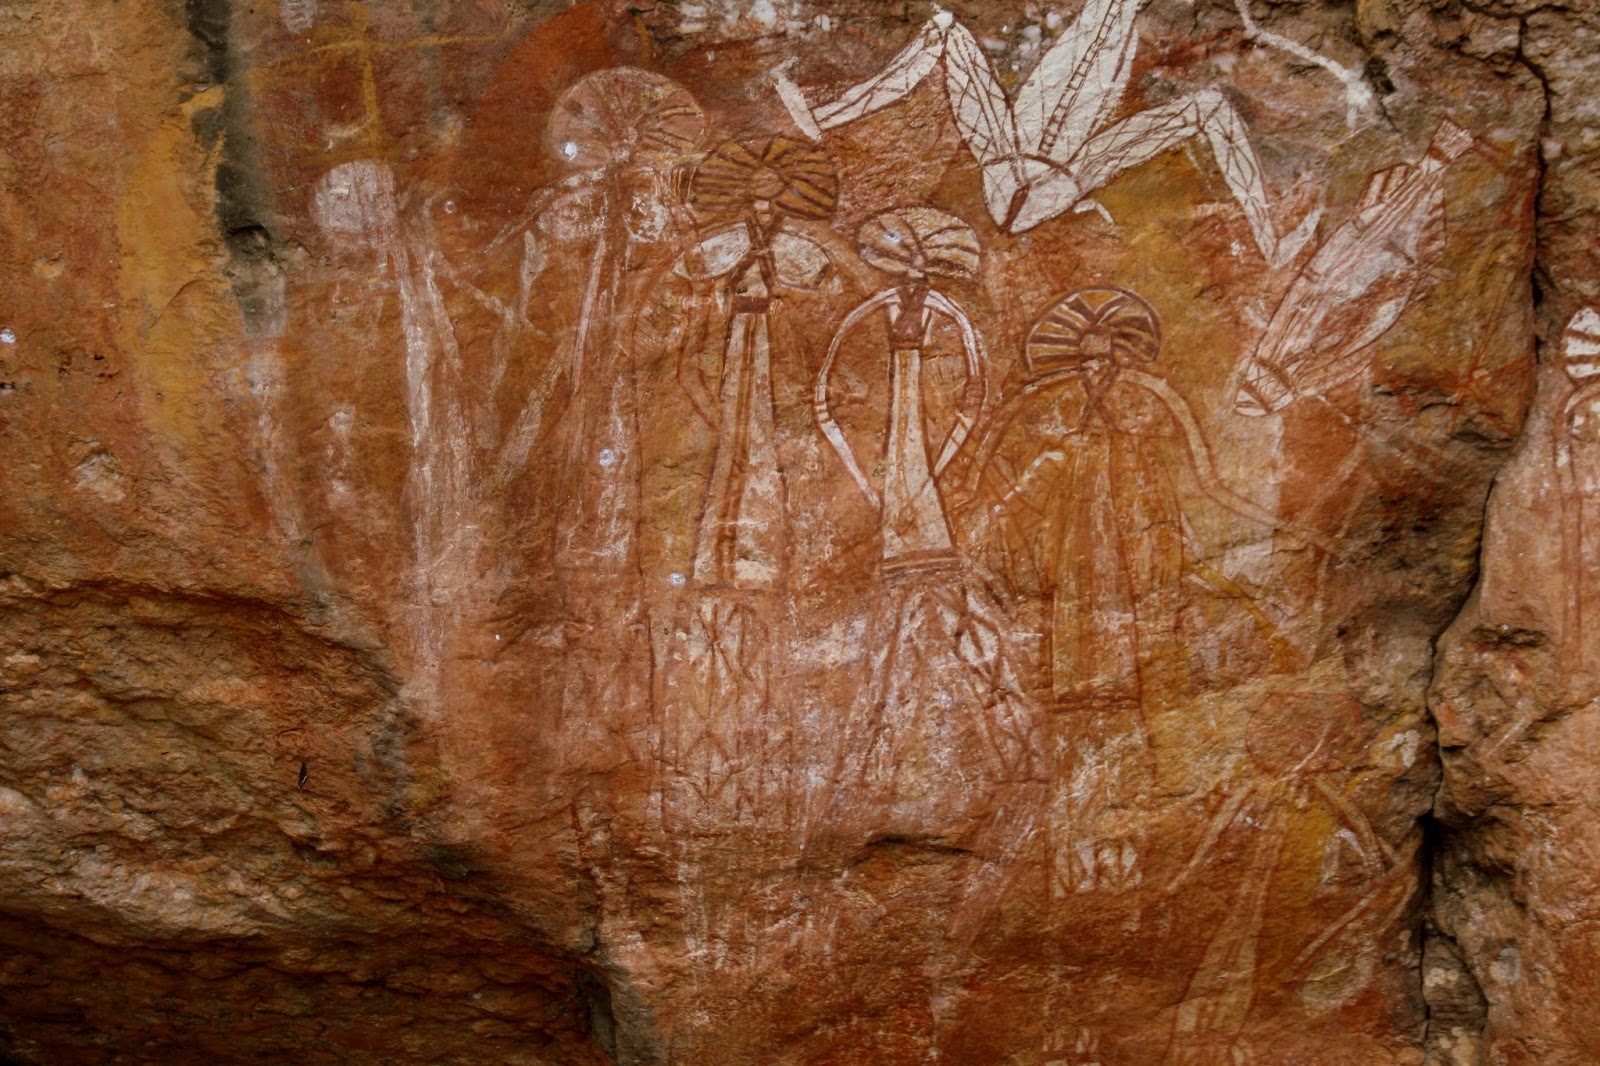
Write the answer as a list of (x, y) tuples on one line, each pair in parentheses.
[(916, 243), (941, 742), (621, 129), (722, 747), (1045, 151), (1356, 286)]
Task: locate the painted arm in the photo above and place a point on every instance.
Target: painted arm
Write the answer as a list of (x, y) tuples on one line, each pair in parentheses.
[(819, 393), (1204, 469), (973, 395)]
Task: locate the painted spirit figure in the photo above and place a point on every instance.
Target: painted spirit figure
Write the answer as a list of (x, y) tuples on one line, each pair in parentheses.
[(1294, 828), (1077, 508), (1077, 480), (723, 752), (918, 244), (620, 130), (761, 185), (943, 725), (1356, 286)]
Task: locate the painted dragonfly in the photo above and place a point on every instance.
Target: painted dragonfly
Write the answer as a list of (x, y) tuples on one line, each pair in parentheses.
[(1043, 152)]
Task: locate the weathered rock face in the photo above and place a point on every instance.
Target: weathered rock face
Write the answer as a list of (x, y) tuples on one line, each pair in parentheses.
[(797, 532)]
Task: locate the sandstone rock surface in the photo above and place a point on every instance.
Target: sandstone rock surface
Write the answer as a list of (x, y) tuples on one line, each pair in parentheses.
[(770, 531)]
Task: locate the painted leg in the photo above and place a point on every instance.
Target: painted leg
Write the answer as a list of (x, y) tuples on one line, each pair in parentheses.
[(1148, 134), (903, 74)]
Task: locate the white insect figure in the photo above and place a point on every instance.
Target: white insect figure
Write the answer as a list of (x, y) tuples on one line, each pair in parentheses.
[(1043, 152), (1355, 288)]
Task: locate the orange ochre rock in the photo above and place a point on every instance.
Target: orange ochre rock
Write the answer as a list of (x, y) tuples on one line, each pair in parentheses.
[(792, 532)]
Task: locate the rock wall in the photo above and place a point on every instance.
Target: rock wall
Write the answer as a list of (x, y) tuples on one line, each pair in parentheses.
[(798, 532)]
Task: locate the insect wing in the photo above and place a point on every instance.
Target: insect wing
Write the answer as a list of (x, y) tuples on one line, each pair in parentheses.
[(1079, 83)]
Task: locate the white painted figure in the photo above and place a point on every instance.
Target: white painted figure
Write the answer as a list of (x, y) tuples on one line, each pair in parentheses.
[(722, 744), (941, 741), (1357, 284), (762, 183), (1045, 151), (917, 244)]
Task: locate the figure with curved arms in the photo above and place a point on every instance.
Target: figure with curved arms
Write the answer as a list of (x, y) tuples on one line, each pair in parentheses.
[(1045, 151), (914, 242), (943, 724), (1079, 498)]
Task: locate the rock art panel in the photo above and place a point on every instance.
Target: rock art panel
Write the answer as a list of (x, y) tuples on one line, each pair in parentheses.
[(714, 532)]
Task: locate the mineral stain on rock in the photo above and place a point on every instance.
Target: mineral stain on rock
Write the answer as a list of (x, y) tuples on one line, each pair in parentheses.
[(794, 533)]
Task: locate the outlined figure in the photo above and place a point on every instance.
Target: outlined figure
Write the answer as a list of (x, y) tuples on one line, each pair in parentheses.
[(1356, 286), (1045, 151), (943, 725), (917, 244), (724, 754), (1075, 488), (761, 184), (622, 130), (1325, 332), (1299, 745), (1075, 502), (1577, 458)]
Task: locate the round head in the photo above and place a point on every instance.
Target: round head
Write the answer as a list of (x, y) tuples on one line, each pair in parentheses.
[(919, 242), (764, 176), (624, 116), (1098, 325)]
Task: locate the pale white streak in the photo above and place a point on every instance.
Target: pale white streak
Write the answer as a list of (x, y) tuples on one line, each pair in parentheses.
[(264, 381), (1358, 97), (297, 15), (357, 200), (1041, 155), (977, 360), (1224, 818), (530, 421)]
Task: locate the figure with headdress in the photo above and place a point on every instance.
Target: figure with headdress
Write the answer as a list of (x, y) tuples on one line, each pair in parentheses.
[(1075, 503), (1078, 485), (943, 723), (723, 753)]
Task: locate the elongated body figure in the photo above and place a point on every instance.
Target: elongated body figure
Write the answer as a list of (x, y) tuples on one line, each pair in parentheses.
[(616, 126), (942, 726), (915, 243), (742, 527), (723, 746), (1577, 456), (1043, 153), (1080, 497)]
